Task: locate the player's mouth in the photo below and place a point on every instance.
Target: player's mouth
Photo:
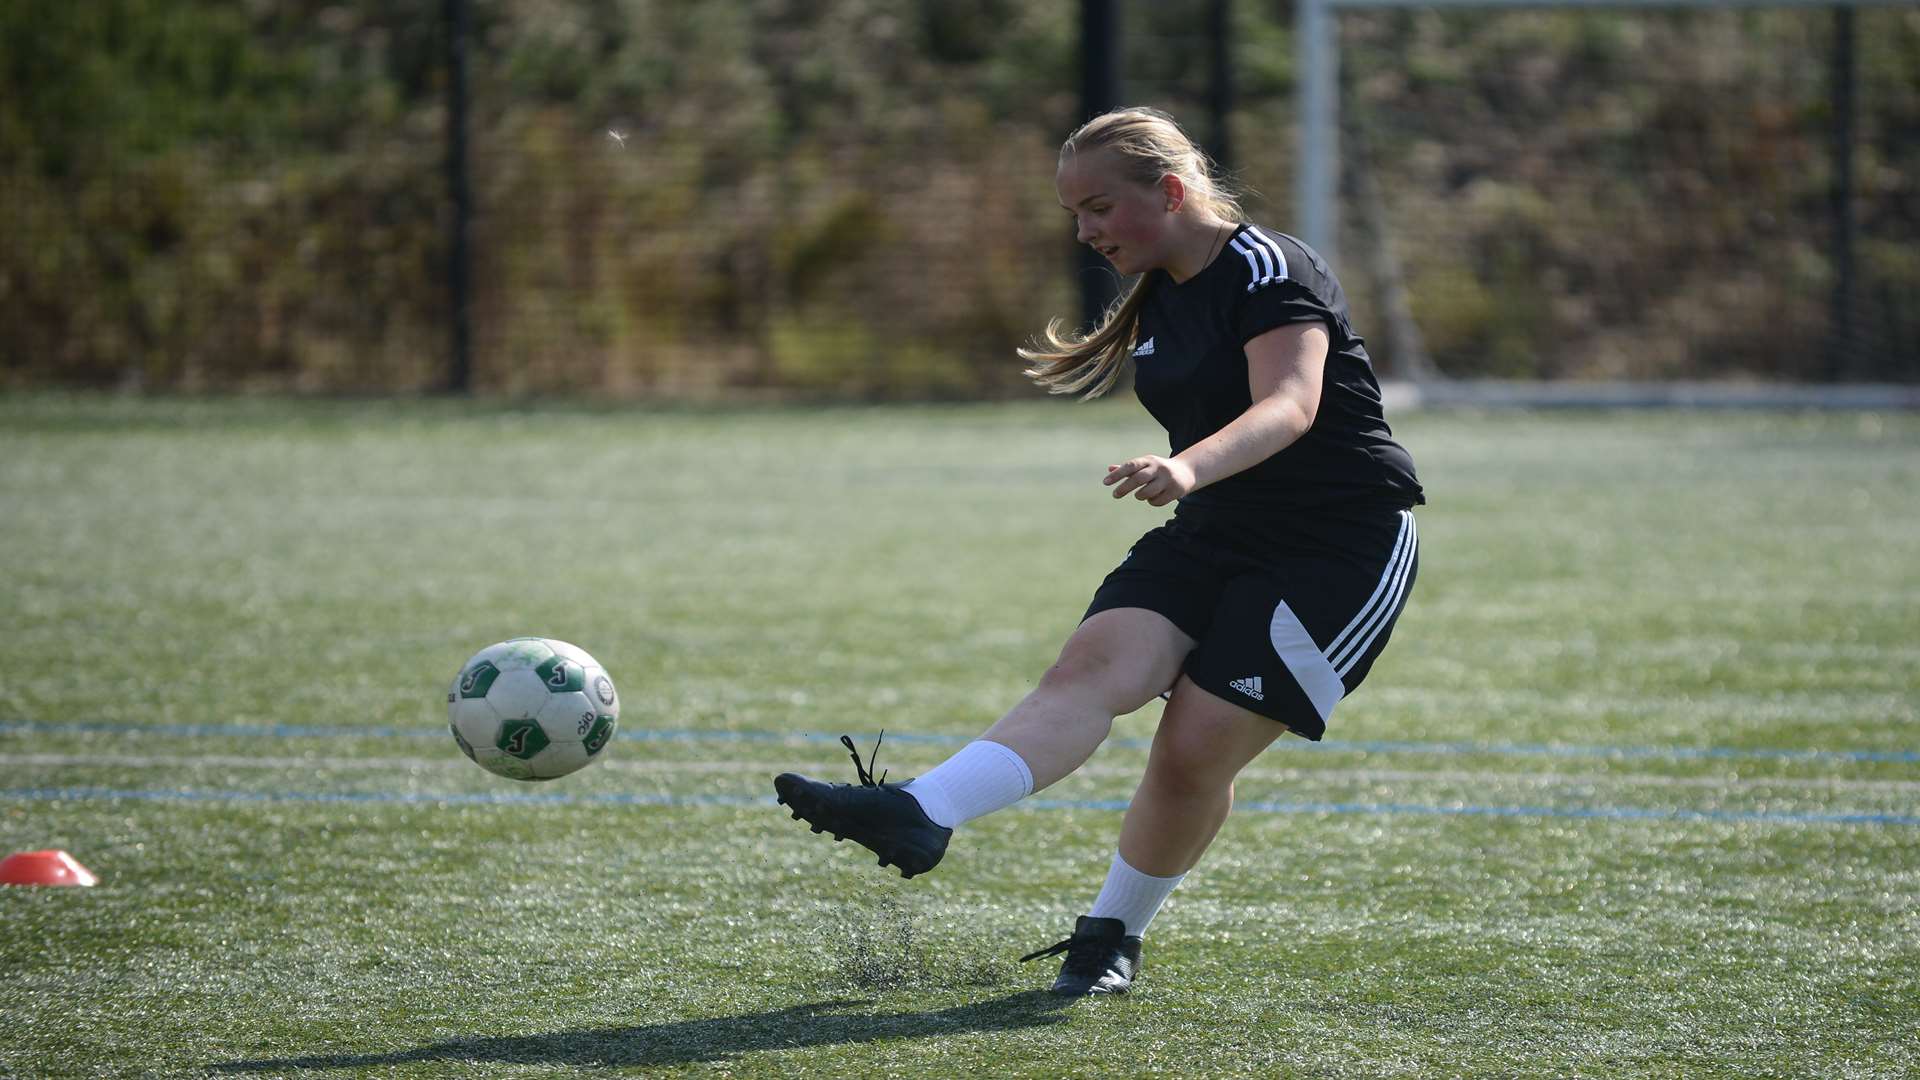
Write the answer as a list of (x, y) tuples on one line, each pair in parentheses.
[(1108, 252)]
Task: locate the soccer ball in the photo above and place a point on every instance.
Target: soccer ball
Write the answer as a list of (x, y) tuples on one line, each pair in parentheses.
[(532, 708)]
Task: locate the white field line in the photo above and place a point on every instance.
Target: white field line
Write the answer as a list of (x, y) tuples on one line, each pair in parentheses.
[(1351, 776)]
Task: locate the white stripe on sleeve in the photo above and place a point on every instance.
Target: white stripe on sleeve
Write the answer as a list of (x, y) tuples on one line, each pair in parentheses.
[(1263, 271), (1273, 246)]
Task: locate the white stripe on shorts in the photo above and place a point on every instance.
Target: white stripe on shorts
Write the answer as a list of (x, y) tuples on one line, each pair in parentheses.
[(1305, 660), (1353, 641), (1319, 672), (1383, 612)]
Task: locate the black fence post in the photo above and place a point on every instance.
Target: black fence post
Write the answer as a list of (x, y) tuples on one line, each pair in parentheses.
[(1220, 82), (1099, 93), (458, 17), (1843, 339)]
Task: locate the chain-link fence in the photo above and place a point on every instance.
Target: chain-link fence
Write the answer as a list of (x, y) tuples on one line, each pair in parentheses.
[(1603, 194), (853, 198)]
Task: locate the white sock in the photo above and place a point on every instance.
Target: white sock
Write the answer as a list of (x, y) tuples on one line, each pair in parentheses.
[(1131, 896), (983, 777)]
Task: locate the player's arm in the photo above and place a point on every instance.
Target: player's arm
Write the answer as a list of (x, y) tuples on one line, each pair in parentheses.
[(1285, 367)]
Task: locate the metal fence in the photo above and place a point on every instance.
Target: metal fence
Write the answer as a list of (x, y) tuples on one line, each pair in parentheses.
[(1705, 191), (853, 198)]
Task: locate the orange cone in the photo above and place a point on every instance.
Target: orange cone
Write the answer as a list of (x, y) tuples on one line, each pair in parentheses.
[(44, 868)]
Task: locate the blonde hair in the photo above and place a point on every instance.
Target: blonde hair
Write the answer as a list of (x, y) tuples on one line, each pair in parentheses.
[(1149, 146)]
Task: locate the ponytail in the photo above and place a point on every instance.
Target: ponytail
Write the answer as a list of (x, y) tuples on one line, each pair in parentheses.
[(1089, 364)]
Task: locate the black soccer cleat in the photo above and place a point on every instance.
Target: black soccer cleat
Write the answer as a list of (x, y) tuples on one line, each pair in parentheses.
[(1101, 958), (874, 814)]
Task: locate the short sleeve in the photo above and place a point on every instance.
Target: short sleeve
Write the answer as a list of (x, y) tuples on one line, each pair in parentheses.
[(1281, 303)]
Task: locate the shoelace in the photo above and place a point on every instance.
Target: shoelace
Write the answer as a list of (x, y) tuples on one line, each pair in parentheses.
[(866, 770), (1083, 953)]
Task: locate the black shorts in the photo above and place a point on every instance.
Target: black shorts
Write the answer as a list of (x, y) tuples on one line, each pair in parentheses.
[(1288, 621)]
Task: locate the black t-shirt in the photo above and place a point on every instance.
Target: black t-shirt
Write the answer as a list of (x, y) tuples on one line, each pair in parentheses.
[(1190, 371)]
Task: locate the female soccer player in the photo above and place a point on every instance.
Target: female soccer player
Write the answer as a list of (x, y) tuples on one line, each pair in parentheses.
[(1265, 599)]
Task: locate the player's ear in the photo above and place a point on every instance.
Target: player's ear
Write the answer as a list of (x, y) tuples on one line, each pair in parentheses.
[(1175, 190)]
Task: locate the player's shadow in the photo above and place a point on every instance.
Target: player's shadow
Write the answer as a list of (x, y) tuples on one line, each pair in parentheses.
[(683, 1041)]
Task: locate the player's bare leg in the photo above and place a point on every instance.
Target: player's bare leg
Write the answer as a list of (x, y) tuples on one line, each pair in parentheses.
[(1116, 661), (1202, 744)]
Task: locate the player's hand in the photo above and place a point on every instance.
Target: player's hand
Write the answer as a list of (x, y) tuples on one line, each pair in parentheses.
[(1155, 480)]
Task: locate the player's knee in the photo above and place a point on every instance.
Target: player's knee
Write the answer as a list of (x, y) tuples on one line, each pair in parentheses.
[(1186, 761), (1079, 659), (1093, 670), (1183, 775), (1079, 668)]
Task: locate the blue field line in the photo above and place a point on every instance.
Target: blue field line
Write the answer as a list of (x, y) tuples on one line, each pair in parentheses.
[(1676, 753), (407, 798), (1603, 813), (1372, 746)]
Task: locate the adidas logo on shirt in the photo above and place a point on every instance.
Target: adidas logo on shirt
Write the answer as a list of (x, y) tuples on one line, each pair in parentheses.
[(1250, 686), (1145, 348)]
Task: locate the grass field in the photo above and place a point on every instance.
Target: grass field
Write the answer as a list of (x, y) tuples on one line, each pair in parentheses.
[(1632, 793)]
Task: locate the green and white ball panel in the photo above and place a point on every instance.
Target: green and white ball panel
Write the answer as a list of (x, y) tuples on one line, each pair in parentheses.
[(519, 693), (599, 734), (461, 740), (502, 763), (560, 759), (518, 654), (572, 652), (475, 679), (563, 674), (567, 716), (474, 720), (605, 702), (523, 738), (599, 686)]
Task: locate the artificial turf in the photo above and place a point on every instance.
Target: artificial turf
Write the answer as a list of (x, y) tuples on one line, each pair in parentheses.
[(1631, 793)]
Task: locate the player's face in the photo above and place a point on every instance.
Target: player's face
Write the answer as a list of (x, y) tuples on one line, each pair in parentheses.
[(1120, 218)]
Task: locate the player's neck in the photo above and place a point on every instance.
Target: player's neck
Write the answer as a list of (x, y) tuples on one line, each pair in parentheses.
[(1196, 247)]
